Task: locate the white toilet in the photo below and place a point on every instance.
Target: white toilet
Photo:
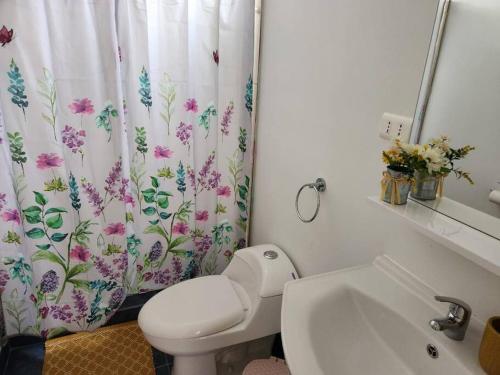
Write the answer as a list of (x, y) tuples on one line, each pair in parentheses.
[(196, 318)]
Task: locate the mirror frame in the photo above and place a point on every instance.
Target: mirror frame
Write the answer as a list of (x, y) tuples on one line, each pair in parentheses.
[(430, 69)]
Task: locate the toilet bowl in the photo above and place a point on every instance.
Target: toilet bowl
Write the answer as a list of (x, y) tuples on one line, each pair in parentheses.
[(196, 318)]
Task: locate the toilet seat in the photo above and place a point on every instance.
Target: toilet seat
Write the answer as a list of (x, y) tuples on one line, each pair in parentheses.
[(194, 308)]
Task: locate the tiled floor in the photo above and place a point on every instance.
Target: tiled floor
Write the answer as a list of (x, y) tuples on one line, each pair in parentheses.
[(24, 355)]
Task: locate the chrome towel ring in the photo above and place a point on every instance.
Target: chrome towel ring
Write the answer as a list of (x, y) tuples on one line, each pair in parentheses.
[(319, 186)]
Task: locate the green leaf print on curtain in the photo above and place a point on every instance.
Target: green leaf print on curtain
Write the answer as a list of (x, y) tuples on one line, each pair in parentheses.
[(47, 90), (145, 90), (206, 115), (17, 149), (103, 120), (17, 87), (167, 94)]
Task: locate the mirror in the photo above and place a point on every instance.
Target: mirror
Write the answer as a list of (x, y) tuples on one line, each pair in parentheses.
[(460, 98)]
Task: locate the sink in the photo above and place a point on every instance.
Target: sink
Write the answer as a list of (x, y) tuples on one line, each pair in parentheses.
[(371, 320)]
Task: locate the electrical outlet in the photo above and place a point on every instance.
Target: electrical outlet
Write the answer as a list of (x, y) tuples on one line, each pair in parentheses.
[(394, 126)]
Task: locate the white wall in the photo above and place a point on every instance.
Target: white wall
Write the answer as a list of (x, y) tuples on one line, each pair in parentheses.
[(329, 69)]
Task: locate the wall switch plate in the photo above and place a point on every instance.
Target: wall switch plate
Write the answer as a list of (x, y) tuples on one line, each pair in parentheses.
[(395, 126)]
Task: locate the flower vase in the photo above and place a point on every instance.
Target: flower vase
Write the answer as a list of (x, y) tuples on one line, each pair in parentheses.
[(395, 185), (426, 186)]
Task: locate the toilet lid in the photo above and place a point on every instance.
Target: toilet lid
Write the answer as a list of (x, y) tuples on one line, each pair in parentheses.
[(193, 308)]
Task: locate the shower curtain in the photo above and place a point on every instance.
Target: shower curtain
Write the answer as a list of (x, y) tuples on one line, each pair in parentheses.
[(126, 152)]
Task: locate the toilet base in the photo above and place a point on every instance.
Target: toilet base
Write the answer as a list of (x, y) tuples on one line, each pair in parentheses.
[(201, 364)]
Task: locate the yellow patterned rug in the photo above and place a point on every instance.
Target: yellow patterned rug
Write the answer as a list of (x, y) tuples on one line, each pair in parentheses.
[(117, 349)]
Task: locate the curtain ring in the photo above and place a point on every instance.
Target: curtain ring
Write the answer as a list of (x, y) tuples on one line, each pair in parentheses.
[(319, 186)]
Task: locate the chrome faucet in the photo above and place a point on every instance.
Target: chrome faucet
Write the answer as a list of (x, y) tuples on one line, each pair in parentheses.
[(457, 321)]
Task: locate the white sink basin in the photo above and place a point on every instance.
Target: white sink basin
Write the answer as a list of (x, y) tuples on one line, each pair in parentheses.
[(370, 320)]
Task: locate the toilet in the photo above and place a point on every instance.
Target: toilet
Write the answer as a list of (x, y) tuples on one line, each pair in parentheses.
[(195, 319)]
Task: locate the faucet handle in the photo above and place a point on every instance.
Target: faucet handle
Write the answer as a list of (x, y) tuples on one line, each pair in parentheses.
[(455, 306)]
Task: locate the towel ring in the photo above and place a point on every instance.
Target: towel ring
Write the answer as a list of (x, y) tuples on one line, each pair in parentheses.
[(319, 186)]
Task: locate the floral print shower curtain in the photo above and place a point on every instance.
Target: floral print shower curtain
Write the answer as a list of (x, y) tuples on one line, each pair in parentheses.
[(125, 154)]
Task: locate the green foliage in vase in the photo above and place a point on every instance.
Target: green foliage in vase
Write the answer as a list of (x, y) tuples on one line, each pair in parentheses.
[(16, 148), (16, 87)]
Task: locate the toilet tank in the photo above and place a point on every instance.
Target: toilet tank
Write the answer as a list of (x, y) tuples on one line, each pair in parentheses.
[(262, 270)]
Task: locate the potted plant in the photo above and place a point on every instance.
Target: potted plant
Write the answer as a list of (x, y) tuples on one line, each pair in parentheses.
[(397, 180), (432, 163)]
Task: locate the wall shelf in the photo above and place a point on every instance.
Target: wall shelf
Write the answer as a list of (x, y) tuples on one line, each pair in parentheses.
[(472, 244)]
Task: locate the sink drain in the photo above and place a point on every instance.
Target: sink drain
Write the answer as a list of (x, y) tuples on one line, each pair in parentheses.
[(432, 351)]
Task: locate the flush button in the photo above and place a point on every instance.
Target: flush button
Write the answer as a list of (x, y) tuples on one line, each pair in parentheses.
[(270, 254)]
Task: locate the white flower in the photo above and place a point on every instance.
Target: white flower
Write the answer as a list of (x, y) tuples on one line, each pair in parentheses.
[(434, 157), (410, 148), (442, 143)]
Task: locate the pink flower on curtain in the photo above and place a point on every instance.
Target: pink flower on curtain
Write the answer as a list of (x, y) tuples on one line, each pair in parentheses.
[(115, 228), (162, 152), (44, 311), (224, 191), (79, 253), (82, 106), (215, 55), (129, 200), (226, 119), (62, 313), (116, 185), (73, 138), (184, 133), (177, 268), (48, 161), (11, 215), (201, 215), (180, 228), (191, 105)]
